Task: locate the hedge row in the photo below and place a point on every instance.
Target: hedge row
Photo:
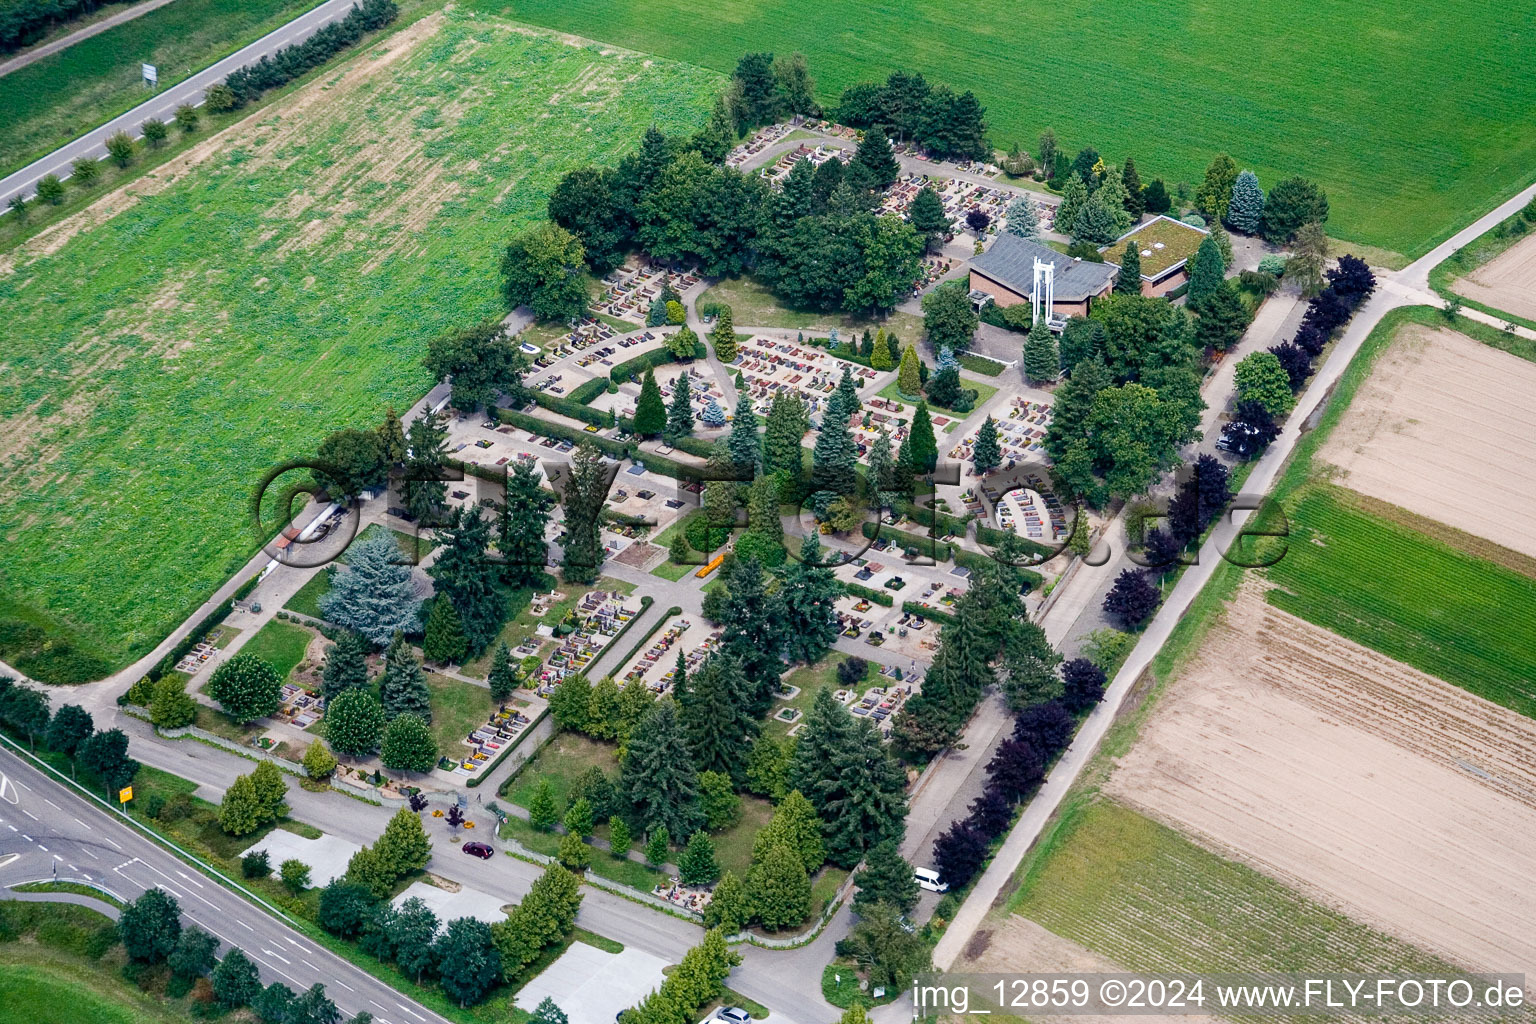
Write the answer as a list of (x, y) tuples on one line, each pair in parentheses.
[(992, 537), (981, 364), (937, 549), (613, 449), (881, 597), (201, 630), (931, 614), (575, 410), (288, 63), (622, 373)]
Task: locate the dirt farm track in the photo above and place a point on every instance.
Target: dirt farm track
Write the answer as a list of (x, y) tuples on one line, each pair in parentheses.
[(1400, 800)]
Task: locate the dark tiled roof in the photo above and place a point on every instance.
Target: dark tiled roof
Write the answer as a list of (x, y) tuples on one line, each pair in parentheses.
[(1011, 262)]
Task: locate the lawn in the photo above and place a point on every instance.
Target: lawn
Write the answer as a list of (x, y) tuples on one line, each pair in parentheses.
[(1409, 596), (753, 305), (1140, 894), (62, 96), (983, 393), (38, 989), (143, 409), (810, 679), (1286, 88), (280, 644), (457, 708)]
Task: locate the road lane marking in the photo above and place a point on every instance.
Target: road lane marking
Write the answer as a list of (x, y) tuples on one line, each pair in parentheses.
[(50, 803), (344, 985), (30, 814), (87, 827), (280, 956), (247, 927), (189, 878), (27, 838), (291, 942), (110, 840), (410, 1011), (23, 785), (8, 790), (87, 851), (310, 965), (40, 846), (379, 1005)]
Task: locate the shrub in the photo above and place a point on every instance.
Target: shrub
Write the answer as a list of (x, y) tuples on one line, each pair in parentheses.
[(84, 172), (219, 98), (1194, 220), (257, 864), (50, 189), (1273, 264), (120, 148), (155, 131)]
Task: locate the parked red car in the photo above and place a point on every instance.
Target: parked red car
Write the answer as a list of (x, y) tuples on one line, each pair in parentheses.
[(481, 850)]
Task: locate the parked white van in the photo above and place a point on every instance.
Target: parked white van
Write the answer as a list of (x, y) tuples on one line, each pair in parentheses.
[(927, 878)]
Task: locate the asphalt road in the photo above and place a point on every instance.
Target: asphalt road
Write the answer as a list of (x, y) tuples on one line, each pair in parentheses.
[(49, 828), (163, 104), (93, 29)]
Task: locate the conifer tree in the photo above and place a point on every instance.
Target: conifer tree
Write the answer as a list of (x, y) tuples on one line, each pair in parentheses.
[(880, 357), (724, 336), (1041, 362), (443, 640), (1245, 212), (1135, 202), (680, 412), (374, 593), (925, 449), (909, 381), (809, 592), (716, 718), (697, 864), (781, 437), (1073, 198), (753, 621), (1206, 275), (426, 455), (403, 687), (1023, 218), (1215, 192), (392, 437), (926, 215), (874, 155), (886, 878), (465, 574), (657, 775), (1128, 281), (345, 665), (743, 444), (651, 410), (779, 889), (524, 520), (986, 454), (585, 492)]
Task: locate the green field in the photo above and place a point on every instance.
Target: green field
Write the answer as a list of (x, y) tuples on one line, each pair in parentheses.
[(64, 95), (1410, 597), (1401, 110), (158, 364), (1137, 892)]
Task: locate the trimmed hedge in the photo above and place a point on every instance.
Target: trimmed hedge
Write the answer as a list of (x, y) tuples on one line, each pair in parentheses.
[(201, 630), (574, 409), (981, 364), (931, 614), (992, 537), (939, 550), (585, 393), (648, 361), (613, 449), (881, 597)]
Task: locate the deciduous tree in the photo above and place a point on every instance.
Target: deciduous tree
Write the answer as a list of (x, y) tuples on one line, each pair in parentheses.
[(354, 722), (545, 269), (246, 687)]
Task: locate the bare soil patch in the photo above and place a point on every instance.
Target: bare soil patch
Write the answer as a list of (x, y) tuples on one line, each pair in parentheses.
[(1445, 428), (1507, 282), (1018, 945), (1404, 802)]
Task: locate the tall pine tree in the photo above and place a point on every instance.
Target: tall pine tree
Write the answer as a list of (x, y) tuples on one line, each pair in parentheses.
[(809, 592), (1041, 362), (680, 412), (657, 775), (524, 519), (585, 491), (403, 687), (986, 454), (651, 410), (465, 573), (716, 720)]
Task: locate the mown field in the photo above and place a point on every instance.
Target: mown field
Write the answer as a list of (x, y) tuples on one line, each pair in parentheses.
[(1142, 895), (1401, 110), (1467, 620), (160, 362), (62, 96)]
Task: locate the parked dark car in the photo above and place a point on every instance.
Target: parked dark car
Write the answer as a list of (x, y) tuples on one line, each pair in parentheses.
[(481, 850)]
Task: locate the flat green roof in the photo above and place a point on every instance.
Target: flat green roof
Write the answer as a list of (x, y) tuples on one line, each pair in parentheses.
[(1164, 243)]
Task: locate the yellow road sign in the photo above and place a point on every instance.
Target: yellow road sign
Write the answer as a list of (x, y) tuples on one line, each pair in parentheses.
[(125, 794)]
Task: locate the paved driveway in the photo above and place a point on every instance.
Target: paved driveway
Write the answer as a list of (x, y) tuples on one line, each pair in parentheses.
[(592, 986)]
